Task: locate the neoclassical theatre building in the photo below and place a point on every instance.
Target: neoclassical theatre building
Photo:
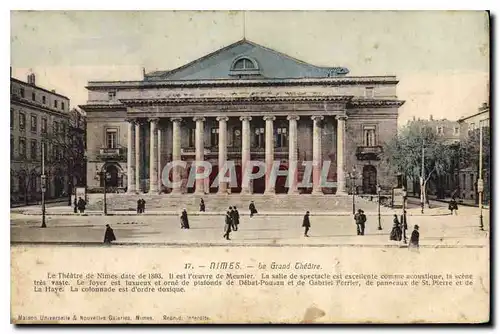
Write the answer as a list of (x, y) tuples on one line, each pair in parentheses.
[(244, 102)]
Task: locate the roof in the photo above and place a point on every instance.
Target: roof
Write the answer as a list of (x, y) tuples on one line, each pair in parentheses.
[(38, 87)]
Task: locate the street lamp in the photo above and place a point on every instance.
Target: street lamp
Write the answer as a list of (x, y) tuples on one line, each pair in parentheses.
[(43, 186), (379, 190), (104, 176), (352, 176), (404, 214)]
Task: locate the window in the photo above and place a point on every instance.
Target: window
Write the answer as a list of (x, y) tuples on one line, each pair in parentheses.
[(12, 118), (33, 96), (34, 121), (369, 92), (33, 149), (236, 137), (112, 95), (464, 181), (369, 138), (56, 127), (471, 181), (191, 137), (259, 139), (244, 64), (45, 151), (281, 137), (33, 181), (22, 121), (111, 138), (22, 92), (62, 105), (11, 147), (55, 103), (44, 125), (439, 130), (214, 137), (22, 147), (44, 101), (456, 130)]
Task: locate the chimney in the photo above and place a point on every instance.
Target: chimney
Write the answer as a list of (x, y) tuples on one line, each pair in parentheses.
[(53, 90), (414, 118), (431, 118), (31, 79)]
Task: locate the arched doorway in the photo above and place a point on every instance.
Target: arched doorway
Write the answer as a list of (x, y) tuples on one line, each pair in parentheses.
[(281, 186), (369, 179), (112, 177)]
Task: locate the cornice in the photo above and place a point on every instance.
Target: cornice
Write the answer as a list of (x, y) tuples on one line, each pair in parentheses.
[(17, 101), (374, 103)]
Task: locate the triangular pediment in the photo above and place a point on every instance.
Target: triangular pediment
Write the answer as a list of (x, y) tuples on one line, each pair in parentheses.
[(245, 60)]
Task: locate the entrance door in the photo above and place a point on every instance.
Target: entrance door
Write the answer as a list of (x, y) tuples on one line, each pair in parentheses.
[(369, 179), (112, 172)]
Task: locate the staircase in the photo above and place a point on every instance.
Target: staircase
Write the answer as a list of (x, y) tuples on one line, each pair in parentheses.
[(213, 202)]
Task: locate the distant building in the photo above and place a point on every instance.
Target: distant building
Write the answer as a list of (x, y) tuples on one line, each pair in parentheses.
[(468, 175), (39, 117)]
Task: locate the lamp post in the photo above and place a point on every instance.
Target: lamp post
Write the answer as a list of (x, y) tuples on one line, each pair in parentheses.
[(405, 225), (352, 177), (43, 186), (379, 190), (480, 183), (104, 177)]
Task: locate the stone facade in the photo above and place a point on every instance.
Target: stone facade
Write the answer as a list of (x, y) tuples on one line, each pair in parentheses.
[(236, 97)]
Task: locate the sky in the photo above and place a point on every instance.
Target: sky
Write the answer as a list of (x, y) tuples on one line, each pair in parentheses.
[(441, 58)]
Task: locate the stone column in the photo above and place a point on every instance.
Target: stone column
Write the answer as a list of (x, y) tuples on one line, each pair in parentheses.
[(317, 154), (200, 152), (138, 156), (176, 153), (222, 151), (340, 154), (292, 154), (245, 151), (153, 155), (158, 163), (131, 157), (269, 132)]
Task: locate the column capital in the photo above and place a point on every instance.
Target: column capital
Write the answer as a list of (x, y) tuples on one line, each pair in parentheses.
[(176, 119), (317, 118), (341, 117), (269, 118), (198, 118), (245, 118), (154, 119), (293, 117), (131, 120), (222, 118)]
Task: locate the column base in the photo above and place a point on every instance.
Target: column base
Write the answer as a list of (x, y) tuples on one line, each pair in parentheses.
[(131, 190), (341, 192), (245, 191), (176, 191), (270, 192), (153, 191), (293, 192), (317, 192)]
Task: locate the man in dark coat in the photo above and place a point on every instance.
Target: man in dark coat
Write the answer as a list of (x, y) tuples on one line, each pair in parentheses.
[(184, 219), (227, 226), (143, 205), (75, 205), (404, 225), (252, 209), (306, 223), (109, 235), (202, 206), (453, 206), (415, 239), (360, 219), (81, 205), (139, 204), (236, 218)]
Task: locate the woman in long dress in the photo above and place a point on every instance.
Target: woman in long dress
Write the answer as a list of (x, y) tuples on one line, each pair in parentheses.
[(184, 219), (396, 232)]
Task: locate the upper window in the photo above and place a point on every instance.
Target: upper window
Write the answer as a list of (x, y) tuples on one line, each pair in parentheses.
[(112, 95), (439, 130), (244, 66), (456, 130), (22, 92), (22, 121), (34, 125), (369, 92), (111, 138), (33, 96), (44, 99), (369, 138), (62, 105), (280, 137), (55, 103), (214, 136)]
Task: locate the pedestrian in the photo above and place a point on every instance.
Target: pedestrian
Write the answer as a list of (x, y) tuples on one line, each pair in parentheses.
[(396, 230), (139, 203), (202, 206), (453, 206), (184, 220), (236, 218), (143, 206), (404, 225), (227, 225), (306, 224), (81, 205), (360, 219), (415, 239), (109, 235), (252, 209), (75, 206)]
